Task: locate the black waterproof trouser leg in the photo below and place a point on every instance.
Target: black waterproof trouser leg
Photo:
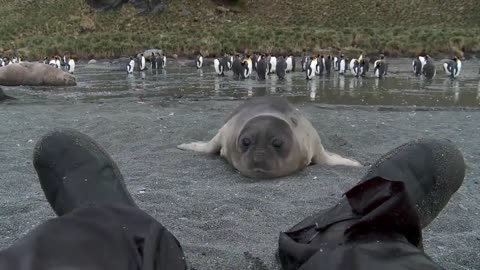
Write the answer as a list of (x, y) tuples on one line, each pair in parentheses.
[(96, 238)]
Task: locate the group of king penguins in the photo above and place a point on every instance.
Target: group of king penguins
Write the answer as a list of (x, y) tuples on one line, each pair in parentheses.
[(266, 64), (358, 67), (66, 62), (423, 65), (157, 61), (5, 61), (243, 66)]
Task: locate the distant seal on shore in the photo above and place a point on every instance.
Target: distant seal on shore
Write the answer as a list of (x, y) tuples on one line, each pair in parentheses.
[(29, 73), (266, 137)]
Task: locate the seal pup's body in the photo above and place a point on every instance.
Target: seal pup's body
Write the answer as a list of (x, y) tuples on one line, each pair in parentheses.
[(267, 137)]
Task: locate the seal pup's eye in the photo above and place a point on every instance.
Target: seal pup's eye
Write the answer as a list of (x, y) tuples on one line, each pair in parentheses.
[(246, 142), (277, 143)]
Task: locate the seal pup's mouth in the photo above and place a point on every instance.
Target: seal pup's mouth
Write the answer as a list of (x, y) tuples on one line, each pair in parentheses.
[(260, 170), (261, 173)]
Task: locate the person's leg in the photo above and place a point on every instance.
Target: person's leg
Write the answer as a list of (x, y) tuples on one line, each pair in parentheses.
[(378, 223), (99, 226)]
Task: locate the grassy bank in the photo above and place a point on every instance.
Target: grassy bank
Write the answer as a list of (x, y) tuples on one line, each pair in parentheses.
[(398, 28)]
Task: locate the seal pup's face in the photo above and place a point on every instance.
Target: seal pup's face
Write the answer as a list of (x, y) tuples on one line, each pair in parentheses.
[(263, 148)]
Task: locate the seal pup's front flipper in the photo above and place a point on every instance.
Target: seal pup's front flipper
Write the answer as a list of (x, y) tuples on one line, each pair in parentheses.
[(211, 147), (323, 156)]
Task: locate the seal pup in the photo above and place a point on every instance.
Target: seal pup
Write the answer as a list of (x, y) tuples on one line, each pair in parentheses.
[(267, 137)]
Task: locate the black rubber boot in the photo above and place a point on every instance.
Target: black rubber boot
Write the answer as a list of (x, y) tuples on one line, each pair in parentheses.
[(75, 171), (377, 225), (431, 169)]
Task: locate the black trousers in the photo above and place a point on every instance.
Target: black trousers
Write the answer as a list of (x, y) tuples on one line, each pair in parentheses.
[(375, 227), (96, 238)]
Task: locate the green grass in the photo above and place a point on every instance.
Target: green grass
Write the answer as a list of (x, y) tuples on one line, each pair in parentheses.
[(397, 28)]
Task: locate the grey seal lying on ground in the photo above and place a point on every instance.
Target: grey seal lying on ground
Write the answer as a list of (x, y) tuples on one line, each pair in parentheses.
[(29, 73), (267, 137)]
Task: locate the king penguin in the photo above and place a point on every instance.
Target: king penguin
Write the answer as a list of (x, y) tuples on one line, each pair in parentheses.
[(219, 67), (131, 66), (304, 61), (311, 66), (159, 62), (58, 64), (355, 67), (237, 67), (51, 63), (153, 61), (71, 65), (247, 67), (273, 64), (452, 67), (142, 65), (364, 67), (164, 61), (379, 69), (429, 70), (254, 61), (328, 64), (342, 65), (262, 68), (199, 61), (320, 65), (336, 62), (227, 62), (281, 68), (289, 62), (417, 66)]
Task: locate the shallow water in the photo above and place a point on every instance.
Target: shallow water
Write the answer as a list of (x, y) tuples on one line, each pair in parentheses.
[(105, 81)]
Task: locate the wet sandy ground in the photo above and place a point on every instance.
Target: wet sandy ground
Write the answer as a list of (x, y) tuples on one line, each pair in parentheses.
[(224, 220)]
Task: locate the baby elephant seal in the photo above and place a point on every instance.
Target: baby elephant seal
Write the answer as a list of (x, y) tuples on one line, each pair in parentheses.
[(267, 137)]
